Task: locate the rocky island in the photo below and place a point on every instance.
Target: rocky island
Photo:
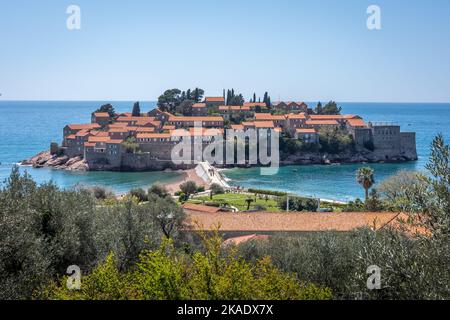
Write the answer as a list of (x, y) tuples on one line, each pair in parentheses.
[(139, 141)]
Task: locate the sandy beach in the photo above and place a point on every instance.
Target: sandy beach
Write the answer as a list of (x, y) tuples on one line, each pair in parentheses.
[(187, 175)]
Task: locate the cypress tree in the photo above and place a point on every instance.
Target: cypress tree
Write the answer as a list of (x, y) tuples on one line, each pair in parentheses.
[(196, 95), (188, 94), (136, 110), (254, 97)]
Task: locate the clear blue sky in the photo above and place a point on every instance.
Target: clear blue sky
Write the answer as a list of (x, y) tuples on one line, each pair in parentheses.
[(302, 50)]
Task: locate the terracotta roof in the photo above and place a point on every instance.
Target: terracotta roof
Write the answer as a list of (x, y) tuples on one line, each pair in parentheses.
[(305, 130), (350, 116), (300, 103), (206, 131), (296, 116), (199, 105), (101, 114), (129, 119), (234, 108), (189, 119), (89, 144), (118, 130), (294, 222), (326, 117), (125, 114), (237, 126), (196, 132), (83, 126), (100, 133), (268, 116), (71, 137), (264, 124), (82, 133), (214, 99), (168, 127), (356, 123), (114, 141), (98, 139), (117, 125), (152, 135), (145, 130), (255, 104), (322, 122), (198, 208), (248, 123)]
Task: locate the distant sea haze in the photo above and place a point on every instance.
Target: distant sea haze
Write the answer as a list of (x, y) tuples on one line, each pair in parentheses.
[(28, 127)]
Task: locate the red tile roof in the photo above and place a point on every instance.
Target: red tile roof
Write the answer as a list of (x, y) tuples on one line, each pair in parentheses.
[(214, 99), (190, 119), (255, 104), (141, 130), (326, 117), (268, 116), (101, 114), (296, 116), (234, 108), (290, 222), (356, 123), (199, 105), (83, 126), (152, 135), (264, 124), (322, 122)]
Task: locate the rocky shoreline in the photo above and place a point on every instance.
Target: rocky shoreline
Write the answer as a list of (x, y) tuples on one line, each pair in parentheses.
[(46, 159)]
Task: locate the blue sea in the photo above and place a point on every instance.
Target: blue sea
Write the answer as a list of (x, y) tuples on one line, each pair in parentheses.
[(28, 127)]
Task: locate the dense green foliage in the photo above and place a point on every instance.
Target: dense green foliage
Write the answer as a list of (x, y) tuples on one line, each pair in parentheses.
[(188, 188), (335, 140), (43, 230), (177, 101), (298, 204), (330, 108), (411, 268), (107, 108), (172, 274), (131, 145)]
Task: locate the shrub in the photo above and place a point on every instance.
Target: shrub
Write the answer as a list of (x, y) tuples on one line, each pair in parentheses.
[(268, 192), (139, 194), (188, 188), (298, 204), (169, 274), (217, 188), (158, 190)]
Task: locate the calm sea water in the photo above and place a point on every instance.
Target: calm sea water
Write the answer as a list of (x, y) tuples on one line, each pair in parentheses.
[(27, 127)]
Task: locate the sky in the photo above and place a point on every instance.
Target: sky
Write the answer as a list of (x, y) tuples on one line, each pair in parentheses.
[(294, 49)]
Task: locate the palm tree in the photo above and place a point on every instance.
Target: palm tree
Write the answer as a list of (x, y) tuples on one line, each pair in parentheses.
[(248, 201), (365, 177)]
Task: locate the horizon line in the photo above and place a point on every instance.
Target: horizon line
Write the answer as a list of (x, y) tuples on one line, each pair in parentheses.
[(137, 100)]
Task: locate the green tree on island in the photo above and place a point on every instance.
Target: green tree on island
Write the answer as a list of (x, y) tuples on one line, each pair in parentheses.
[(136, 110), (365, 177), (331, 108), (107, 108)]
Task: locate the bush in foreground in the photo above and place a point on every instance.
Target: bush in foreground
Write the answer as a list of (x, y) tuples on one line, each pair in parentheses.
[(168, 274)]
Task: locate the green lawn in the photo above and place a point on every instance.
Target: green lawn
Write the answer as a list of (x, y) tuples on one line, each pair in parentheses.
[(238, 201)]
